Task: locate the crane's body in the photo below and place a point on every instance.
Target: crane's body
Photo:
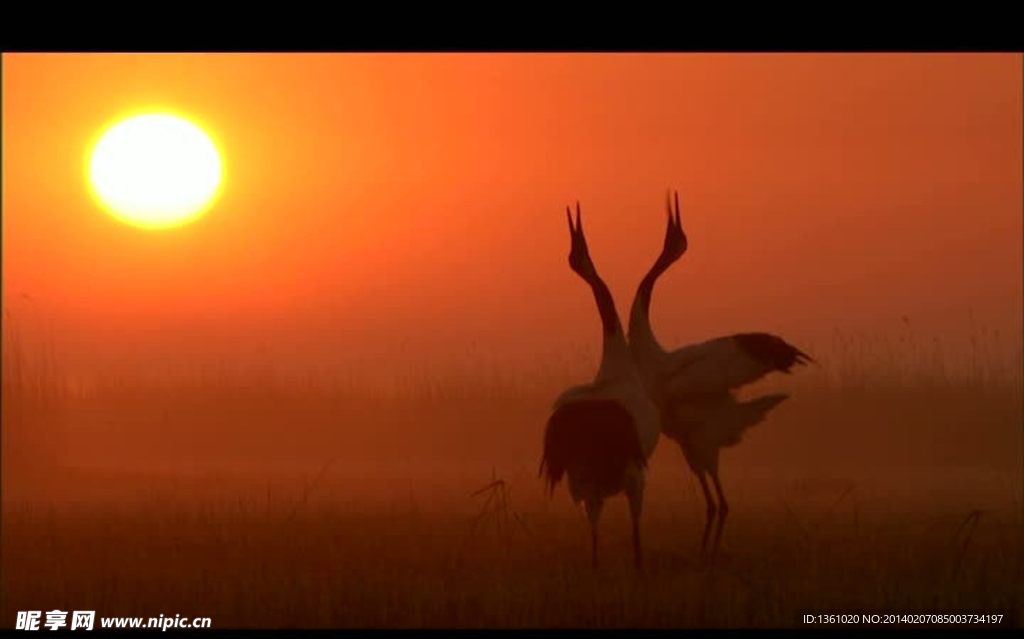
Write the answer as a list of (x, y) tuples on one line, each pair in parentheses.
[(600, 435), (694, 386)]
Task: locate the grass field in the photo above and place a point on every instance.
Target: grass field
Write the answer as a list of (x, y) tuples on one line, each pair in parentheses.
[(891, 481)]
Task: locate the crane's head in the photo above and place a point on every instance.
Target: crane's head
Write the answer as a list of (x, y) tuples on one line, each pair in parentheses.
[(675, 238), (579, 254)]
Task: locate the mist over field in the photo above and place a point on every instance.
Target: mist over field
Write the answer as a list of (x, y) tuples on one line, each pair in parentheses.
[(260, 502)]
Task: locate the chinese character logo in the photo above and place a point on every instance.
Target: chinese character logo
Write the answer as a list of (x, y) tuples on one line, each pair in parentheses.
[(56, 619), (28, 620), (83, 619)]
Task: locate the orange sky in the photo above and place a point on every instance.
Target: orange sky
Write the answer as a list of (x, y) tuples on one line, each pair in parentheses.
[(416, 201)]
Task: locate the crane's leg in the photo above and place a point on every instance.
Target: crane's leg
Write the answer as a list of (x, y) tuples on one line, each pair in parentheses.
[(593, 515), (635, 495), (711, 511), (723, 509)]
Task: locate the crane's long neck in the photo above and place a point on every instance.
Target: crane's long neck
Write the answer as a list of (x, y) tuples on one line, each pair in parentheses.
[(615, 352), (641, 336)]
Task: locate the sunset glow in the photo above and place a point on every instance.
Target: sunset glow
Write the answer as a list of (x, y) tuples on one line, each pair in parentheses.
[(304, 339), (155, 170)]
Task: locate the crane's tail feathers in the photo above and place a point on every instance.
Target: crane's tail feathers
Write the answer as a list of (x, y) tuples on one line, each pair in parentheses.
[(750, 414), (803, 358), (593, 440), (772, 351)]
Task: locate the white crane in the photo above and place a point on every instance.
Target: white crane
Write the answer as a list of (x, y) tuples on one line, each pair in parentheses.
[(600, 435), (694, 386)]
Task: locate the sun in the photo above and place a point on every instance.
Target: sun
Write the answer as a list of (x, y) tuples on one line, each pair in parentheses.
[(155, 170)]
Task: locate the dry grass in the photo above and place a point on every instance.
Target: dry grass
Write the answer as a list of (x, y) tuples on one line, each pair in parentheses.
[(251, 561), (205, 497)]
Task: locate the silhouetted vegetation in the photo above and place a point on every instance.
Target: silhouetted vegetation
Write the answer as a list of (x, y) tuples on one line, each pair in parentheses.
[(890, 481)]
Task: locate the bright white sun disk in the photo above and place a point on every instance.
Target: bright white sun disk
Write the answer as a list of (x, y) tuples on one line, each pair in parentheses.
[(155, 170)]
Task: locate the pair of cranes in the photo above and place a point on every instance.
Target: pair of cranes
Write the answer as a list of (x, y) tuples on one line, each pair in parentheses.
[(600, 435)]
